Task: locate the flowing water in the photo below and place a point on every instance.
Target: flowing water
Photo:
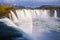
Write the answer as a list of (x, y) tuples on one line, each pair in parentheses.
[(36, 22)]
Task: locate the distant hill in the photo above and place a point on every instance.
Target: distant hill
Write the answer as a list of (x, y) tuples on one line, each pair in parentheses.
[(48, 7)]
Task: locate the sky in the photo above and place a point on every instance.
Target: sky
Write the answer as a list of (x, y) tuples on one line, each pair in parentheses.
[(31, 3)]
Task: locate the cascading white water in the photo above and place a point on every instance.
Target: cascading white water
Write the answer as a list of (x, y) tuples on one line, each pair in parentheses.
[(20, 14), (13, 17), (25, 20), (10, 16), (55, 14), (35, 21), (45, 14)]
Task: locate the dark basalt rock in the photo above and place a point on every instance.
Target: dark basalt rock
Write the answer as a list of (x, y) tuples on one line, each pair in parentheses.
[(51, 13), (8, 32), (58, 12)]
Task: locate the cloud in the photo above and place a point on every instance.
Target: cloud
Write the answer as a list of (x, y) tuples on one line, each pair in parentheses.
[(9, 1), (40, 0), (48, 0)]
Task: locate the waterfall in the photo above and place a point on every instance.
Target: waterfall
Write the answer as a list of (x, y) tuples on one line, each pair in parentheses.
[(55, 14), (20, 14), (38, 12), (25, 20), (45, 13), (35, 13), (13, 17), (10, 16), (35, 21)]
